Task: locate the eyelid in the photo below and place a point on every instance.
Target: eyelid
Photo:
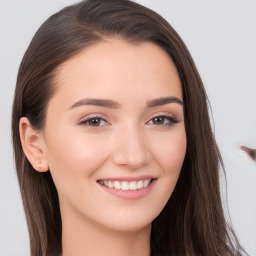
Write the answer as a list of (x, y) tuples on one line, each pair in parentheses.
[(163, 114), (168, 116), (172, 118), (92, 116)]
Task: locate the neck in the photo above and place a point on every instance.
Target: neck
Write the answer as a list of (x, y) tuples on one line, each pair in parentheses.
[(84, 237)]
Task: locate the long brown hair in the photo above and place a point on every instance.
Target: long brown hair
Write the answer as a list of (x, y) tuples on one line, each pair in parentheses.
[(192, 222)]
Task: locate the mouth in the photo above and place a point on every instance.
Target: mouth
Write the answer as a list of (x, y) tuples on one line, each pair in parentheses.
[(126, 185)]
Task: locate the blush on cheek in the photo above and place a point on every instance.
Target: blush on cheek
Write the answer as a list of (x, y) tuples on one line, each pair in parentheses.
[(173, 153), (76, 154)]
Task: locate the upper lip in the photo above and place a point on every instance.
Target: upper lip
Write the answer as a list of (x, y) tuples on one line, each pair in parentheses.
[(137, 178)]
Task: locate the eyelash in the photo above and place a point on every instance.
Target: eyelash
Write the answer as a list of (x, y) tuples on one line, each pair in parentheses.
[(172, 120)]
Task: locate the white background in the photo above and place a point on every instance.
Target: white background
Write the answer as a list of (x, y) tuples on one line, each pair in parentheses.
[(221, 36)]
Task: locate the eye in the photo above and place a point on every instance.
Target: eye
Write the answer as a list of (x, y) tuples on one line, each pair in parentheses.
[(94, 121), (163, 120)]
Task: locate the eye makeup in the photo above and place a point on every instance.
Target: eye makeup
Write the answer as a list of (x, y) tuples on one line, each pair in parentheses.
[(158, 120)]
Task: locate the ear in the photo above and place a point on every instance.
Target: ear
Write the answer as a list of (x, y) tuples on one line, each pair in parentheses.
[(33, 145)]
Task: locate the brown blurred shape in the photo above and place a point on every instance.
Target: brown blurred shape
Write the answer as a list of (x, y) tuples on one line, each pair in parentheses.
[(250, 152)]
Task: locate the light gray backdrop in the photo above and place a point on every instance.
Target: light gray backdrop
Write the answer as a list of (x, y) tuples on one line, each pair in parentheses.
[(221, 36)]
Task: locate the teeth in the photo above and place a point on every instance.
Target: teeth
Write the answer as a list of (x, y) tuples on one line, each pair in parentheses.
[(126, 185), (140, 184), (117, 185), (110, 184), (145, 183), (133, 185)]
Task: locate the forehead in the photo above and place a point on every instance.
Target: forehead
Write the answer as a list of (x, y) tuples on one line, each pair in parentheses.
[(115, 69)]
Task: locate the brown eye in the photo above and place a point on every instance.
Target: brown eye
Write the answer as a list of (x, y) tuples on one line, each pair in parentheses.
[(94, 121), (158, 120), (163, 120)]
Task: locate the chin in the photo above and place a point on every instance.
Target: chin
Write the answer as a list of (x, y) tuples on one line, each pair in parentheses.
[(130, 222)]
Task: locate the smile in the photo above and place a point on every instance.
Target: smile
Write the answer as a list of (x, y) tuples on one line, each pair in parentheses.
[(126, 185)]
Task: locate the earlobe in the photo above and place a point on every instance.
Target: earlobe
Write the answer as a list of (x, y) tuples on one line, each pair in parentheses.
[(33, 145)]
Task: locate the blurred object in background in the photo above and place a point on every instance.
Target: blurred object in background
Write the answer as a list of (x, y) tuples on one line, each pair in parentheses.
[(251, 153)]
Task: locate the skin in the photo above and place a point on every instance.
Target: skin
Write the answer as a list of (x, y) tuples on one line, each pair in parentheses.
[(126, 142)]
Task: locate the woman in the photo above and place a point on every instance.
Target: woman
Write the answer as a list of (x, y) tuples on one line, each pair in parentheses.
[(112, 138)]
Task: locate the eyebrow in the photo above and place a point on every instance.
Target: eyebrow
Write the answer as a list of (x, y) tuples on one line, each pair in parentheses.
[(163, 101), (115, 105)]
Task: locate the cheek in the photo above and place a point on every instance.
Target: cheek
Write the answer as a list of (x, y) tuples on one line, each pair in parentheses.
[(170, 151), (73, 155)]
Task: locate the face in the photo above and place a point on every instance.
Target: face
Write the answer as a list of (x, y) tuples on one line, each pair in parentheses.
[(114, 136)]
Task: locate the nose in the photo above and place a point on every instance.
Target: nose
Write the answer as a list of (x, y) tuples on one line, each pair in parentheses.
[(131, 149)]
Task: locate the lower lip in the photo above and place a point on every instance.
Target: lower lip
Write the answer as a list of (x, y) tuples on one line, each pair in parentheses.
[(129, 194)]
